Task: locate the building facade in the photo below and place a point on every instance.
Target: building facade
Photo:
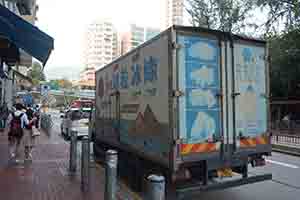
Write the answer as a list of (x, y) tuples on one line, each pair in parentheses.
[(136, 36), (17, 36), (87, 79), (100, 44), (8, 89), (100, 48), (174, 11)]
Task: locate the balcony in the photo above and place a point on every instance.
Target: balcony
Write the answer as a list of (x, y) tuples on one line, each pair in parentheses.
[(25, 6)]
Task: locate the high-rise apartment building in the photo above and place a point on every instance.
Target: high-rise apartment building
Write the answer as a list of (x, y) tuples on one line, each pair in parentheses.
[(136, 36), (100, 48), (174, 12), (100, 44)]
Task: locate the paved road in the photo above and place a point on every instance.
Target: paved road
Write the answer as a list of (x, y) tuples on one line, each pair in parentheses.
[(284, 186)]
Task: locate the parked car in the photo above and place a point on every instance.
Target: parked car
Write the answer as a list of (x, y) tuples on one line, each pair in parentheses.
[(76, 119)]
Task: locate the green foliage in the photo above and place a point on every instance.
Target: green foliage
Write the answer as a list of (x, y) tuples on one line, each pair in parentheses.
[(224, 15), (36, 73), (54, 84), (61, 83), (281, 14), (285, 64)]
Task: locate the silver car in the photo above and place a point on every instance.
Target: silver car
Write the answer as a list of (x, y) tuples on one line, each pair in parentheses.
[(75, 119)]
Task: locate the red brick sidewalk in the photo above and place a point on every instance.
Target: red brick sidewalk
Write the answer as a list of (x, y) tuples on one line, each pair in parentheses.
[(46, 178)]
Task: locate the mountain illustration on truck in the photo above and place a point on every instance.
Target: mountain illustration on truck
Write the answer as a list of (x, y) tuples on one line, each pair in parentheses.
[(145, 124)]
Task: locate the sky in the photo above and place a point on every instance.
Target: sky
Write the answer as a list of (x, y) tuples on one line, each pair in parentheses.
[(65, 21)]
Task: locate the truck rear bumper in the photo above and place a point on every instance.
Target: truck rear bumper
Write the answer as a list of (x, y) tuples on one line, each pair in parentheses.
[(193, 190)]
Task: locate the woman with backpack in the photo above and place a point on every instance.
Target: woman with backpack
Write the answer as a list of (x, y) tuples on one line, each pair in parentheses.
[(15, 132), (16, 123)]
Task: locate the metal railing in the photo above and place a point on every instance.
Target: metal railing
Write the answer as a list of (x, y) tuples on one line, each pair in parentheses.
[(286, 139)]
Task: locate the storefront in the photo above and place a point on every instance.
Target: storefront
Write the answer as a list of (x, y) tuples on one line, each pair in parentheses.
[(16, 34)]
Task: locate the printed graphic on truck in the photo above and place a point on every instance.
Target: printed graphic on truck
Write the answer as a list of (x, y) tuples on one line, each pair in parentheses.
[(133, 97), (251, 104), (200, 107)]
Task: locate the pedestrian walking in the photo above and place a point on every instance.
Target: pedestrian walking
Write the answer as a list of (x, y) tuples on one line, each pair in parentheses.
[(15, 130), (4, 112), (29, 136), (37, 114)]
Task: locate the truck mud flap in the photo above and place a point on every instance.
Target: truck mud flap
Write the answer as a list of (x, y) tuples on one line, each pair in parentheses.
[(193, 190)]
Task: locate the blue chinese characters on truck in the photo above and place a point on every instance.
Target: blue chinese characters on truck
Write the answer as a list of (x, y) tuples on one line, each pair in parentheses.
[(199, 78), (139, 82)]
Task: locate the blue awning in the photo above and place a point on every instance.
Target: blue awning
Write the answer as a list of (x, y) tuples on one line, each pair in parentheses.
[(25, 36)]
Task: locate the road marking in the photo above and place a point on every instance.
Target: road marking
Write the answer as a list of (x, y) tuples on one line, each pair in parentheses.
[(282, 164)]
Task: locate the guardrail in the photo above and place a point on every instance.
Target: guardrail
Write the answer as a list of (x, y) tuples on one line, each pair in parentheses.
[(286, 139)]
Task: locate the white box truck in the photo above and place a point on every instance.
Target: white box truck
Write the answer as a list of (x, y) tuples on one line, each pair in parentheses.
[(191, 104)]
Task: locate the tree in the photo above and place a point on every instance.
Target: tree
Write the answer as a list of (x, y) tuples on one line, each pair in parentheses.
[(285, 64), (64, 83), (54, 84), (224, 15), (36, 73), (281, 13)]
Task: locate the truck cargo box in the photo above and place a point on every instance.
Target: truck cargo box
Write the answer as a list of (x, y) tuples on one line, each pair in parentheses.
[(186, 96)]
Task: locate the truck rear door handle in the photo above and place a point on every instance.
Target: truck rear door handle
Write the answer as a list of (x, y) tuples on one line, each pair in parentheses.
[(235, 94), (219, 95)]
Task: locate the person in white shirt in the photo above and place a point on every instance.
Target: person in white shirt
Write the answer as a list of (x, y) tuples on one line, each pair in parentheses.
[(16, 123)]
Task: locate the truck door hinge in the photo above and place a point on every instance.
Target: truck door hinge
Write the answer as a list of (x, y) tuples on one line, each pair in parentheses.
[(176, 45), (177, 142), (263, 95), (178, 93)]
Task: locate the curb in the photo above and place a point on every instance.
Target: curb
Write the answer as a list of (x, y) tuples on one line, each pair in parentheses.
[(294, 151)]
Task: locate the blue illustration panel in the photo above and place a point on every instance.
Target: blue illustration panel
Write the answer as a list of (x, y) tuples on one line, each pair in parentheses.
[(202, 99), (251, 112), (200, 49), (202, 75), (202, 125), (200, 79)]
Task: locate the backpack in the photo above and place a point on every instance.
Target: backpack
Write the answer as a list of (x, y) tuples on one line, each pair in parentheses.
[(15, 126), (30, 115)]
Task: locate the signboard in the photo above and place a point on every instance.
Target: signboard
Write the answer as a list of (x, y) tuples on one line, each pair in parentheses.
[(45, 89), (27, 99), (48, 100)]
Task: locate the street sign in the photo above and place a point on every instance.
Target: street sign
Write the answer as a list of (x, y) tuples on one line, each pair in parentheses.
[(44, 90), (27, 99), (48, 100)]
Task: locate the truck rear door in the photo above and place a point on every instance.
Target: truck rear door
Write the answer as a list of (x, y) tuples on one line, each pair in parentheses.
[(200, 106), (250, 102)]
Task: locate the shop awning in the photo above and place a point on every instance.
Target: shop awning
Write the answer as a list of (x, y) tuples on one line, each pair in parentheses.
[(25, 36)]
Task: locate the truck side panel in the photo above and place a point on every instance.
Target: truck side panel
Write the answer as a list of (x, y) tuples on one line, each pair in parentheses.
[(133, 101)]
